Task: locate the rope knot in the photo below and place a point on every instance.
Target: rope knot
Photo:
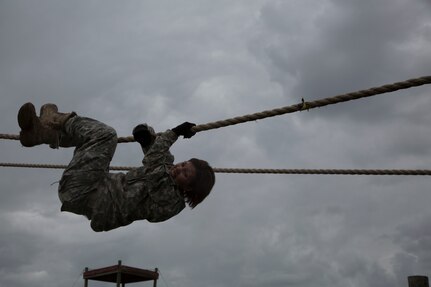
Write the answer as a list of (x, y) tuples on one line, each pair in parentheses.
[(303, 105)]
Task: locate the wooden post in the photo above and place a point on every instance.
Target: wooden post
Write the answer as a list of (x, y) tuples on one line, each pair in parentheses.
[(155, 280), (119, 273), (86, 280), (418, 281)]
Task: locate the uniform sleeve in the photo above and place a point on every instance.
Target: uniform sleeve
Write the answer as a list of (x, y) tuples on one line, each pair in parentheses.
[(165, 204), (165, 200), (159, 152)]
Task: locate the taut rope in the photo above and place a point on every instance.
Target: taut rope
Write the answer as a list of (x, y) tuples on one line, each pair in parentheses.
[(294, 108), (263, 171), (315, 104)]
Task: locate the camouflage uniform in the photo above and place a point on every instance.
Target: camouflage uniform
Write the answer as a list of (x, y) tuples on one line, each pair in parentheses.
[(111, 200)]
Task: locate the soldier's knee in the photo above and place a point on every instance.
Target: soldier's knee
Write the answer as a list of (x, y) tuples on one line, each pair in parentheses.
[(111, 132), (108, 134)]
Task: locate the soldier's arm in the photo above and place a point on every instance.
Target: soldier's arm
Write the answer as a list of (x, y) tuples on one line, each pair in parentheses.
[(159, 151)]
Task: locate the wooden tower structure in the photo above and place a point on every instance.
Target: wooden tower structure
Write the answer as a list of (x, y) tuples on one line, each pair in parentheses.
[(120, 274)]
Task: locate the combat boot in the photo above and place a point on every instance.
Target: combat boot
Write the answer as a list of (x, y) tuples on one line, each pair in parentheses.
[(50, 116), (33, 131)]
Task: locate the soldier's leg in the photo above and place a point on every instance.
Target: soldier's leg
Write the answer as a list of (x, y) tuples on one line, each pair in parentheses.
[(95, 144)]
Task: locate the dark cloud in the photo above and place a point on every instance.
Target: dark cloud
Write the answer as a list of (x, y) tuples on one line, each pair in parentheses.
[(344, 46), (127, 63)]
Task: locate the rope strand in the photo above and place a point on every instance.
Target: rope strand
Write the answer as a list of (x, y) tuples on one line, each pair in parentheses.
[(318, 103), (261, 170), (294, 108), (9, 137)]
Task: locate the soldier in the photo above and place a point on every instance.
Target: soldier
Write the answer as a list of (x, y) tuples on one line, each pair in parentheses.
[(156, 191)]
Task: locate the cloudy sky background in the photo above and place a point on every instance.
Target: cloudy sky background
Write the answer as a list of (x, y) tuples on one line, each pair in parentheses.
[(165, 62)]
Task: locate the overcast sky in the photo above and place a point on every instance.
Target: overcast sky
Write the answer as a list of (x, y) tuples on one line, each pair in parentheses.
[(165, 62)]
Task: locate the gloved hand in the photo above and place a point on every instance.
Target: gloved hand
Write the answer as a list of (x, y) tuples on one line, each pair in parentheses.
[(185, 130), (143, 135)]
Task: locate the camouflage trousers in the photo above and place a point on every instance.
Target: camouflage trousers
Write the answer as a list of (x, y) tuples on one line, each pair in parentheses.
[(95, 144)]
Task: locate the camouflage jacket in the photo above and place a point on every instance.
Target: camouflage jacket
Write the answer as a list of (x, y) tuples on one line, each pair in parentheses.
[(147, 192)]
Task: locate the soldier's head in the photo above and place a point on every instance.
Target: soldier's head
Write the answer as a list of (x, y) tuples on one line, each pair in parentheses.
[(195, 178)]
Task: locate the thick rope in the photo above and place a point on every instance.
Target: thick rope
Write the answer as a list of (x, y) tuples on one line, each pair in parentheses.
[(9, 137), (315, 104), (328, 171), (263, 171), (294, 108)]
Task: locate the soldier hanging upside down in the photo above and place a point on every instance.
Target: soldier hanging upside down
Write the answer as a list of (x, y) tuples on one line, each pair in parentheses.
[(156, 191)]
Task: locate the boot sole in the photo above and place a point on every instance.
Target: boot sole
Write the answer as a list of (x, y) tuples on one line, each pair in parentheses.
[(26, 116)]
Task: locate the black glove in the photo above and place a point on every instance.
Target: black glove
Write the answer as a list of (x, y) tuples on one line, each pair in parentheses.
[(185, 130), (142, 135)]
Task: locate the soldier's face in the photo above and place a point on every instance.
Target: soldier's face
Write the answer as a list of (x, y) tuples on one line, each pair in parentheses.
[(183, 173)]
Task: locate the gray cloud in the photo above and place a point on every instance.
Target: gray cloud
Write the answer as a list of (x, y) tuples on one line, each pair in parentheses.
[(164, 63)]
